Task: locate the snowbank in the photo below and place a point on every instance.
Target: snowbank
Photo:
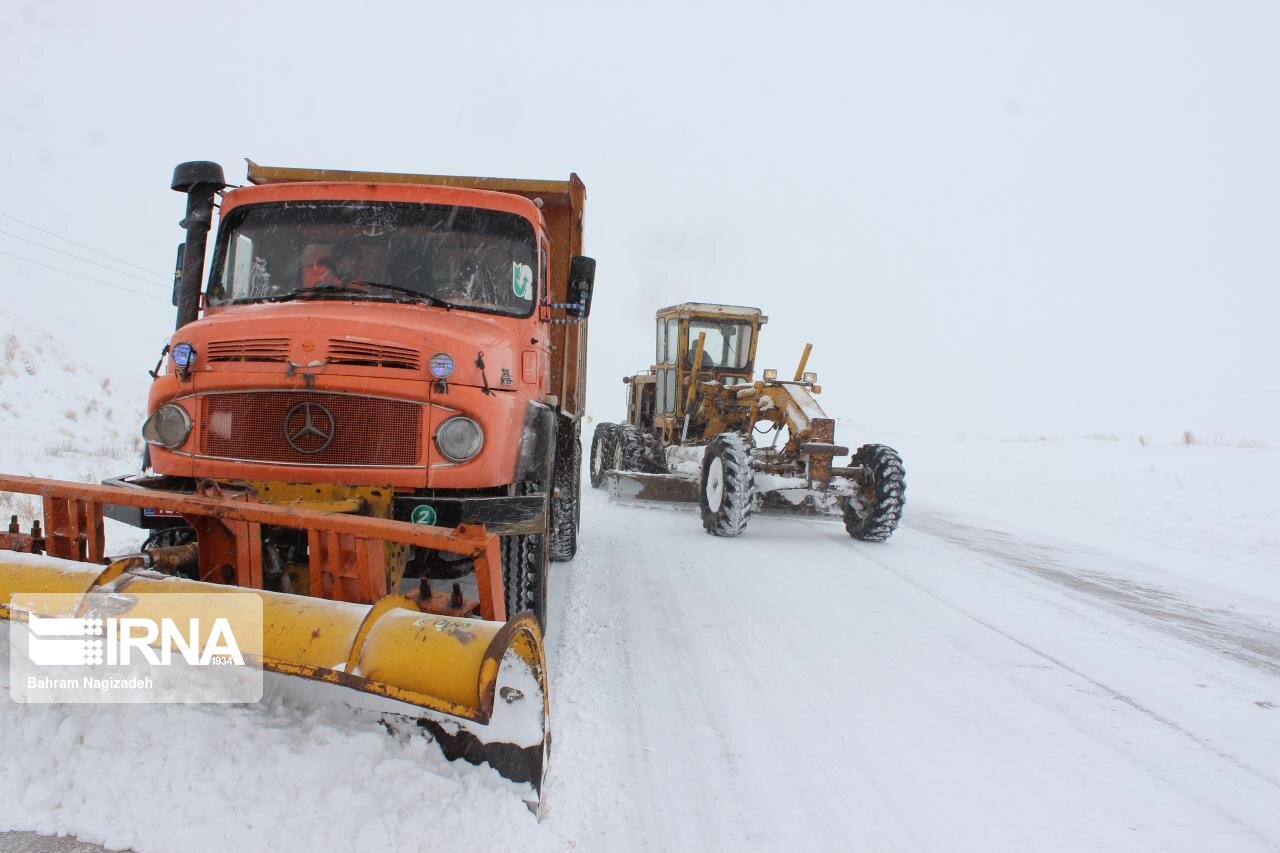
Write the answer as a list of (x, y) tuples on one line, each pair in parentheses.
[(62, 418), (1200, 515)]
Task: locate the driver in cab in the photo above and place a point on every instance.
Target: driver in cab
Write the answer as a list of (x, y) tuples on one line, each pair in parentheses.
[(337, 269)]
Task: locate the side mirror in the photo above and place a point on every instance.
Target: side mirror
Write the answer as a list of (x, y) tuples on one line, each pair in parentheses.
[(177, 273), (582, 282)]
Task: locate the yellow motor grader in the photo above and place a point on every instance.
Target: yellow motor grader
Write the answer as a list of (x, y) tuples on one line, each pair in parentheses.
[(700, 429)]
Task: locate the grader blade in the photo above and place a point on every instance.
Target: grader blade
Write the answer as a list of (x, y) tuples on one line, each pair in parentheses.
[(669, 491), (474, 683)]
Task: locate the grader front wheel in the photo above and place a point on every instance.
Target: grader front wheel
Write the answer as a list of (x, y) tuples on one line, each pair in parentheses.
[(602, 451), (634, 450), (874, 514), (727, 493)]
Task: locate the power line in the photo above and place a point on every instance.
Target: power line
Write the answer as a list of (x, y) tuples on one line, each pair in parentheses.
[(81, 245), (85, 277), (79, 257)]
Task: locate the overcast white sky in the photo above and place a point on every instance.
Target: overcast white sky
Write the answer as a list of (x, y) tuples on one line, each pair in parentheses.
[(978, 212)]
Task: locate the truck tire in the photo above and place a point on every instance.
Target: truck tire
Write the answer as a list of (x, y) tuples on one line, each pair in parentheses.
[(565, 507), (727, 492), (524, 575), (602, 441), (524, 565), (167, 537), (875, 514)]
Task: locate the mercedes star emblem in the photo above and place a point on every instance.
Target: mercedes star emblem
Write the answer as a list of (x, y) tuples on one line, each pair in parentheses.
[(309, 427)]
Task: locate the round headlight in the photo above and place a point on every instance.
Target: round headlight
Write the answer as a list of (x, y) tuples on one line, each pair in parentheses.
[(168, 427), (459, 439)]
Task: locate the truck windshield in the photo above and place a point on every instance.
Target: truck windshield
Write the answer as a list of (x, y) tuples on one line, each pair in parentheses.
[(459, 256)]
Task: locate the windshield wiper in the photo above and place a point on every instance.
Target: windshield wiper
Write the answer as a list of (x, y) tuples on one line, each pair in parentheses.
[(361, 288), (318, 291), (408, 291)]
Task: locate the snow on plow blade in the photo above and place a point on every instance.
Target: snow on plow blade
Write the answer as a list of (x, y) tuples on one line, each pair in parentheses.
[(473, 682)]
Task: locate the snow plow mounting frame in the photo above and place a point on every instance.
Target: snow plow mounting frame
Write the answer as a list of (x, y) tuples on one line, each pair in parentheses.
[(344, 550)]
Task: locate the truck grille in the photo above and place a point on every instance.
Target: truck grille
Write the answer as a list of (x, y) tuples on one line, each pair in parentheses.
[(249, 349), (371, 354), (308, 428)]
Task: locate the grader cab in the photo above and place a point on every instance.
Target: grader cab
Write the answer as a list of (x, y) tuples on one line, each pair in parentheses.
[(701, 429)]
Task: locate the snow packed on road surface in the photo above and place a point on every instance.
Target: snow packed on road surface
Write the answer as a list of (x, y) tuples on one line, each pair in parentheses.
[(1071, 643), (270, 777), (960, 687)]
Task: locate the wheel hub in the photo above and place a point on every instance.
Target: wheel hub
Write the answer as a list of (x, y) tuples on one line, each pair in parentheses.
[(715, 484)]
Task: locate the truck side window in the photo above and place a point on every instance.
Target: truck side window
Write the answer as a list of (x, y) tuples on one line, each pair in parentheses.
[(546, 275)]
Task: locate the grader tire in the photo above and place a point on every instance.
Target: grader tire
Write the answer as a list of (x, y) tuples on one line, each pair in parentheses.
[(634, 450), (876, 515), (727, 492), (602, 442), (655, 453)]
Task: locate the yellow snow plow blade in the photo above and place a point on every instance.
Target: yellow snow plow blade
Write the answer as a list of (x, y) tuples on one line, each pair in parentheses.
[(477, 687)]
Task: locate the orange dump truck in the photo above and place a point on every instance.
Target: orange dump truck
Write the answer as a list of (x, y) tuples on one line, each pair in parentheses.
[(375, 396)]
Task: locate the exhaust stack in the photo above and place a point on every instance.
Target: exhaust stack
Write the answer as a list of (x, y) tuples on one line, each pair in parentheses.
[(200, 180)]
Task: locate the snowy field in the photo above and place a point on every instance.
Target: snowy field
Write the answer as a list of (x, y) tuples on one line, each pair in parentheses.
[(1072, 643), (63, 416)]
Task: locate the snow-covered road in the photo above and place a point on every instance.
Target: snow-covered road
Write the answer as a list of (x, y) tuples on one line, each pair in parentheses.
[(975, 683), (956, 688)]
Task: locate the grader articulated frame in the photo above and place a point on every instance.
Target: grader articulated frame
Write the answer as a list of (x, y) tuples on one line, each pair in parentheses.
[(691, 428)]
